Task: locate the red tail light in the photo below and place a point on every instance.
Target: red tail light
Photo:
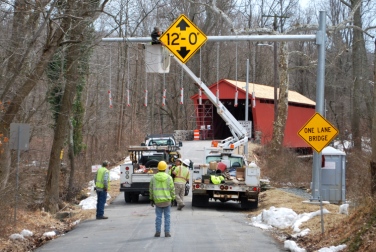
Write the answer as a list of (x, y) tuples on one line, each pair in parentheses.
[(197, 185), (127, 168), (255, 189)]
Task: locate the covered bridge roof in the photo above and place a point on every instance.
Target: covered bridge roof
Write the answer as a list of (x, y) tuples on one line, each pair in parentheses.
[(267, 92)]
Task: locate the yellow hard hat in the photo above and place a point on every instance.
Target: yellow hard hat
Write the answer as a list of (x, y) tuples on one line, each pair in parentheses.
[(162, 165)]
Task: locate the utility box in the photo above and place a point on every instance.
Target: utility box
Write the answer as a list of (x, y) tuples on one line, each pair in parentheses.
[(333, 175)]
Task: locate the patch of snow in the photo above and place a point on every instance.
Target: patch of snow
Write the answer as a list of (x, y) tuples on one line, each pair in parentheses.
[(344, 209), (333, 248), (50, 234), (293, 247), (16, 237), (302, 233), (26, 233), (305, 217)]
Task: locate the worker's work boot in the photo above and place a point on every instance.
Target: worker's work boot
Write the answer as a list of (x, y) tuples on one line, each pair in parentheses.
[(157, 234), (167, 234), (180, 207)]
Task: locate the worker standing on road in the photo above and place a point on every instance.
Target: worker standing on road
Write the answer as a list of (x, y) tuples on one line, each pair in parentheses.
[(178, 162), (101, 181), (162, 192), (181, 178)]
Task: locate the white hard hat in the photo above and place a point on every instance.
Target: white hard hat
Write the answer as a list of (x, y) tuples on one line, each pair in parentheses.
[(186, 162)]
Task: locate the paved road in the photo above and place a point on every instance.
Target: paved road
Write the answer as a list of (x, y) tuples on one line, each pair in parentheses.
[(130, 227)]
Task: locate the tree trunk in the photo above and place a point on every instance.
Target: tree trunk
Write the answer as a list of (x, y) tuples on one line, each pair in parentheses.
[(360, 78), (373, 135), (62, 125), (70, 188), (280, 123)]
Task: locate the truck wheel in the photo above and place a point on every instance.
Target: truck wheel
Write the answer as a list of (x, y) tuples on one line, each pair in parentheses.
[(245, 204), (254, 204), (135, 197), (200, 200), (127, 197), (152, 163)]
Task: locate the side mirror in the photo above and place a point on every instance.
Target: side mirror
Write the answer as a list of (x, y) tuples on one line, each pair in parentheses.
[(143, 144), (180, 144)]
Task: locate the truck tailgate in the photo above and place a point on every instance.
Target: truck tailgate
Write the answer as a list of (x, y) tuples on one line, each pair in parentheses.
[(139, 178)]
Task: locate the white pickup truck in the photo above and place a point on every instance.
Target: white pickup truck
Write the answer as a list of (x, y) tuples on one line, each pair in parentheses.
[(161, 140), (241, 180), (135, 174)]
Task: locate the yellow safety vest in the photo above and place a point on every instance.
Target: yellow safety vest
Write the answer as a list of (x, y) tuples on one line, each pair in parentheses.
[(102, 178), (182, 174), (216, 179)]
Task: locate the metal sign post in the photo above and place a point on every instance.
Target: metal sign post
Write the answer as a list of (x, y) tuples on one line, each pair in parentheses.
[(19, 140)]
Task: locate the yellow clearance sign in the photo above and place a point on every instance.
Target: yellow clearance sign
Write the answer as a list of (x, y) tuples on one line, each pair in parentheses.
[(318, 132), (183, 38)]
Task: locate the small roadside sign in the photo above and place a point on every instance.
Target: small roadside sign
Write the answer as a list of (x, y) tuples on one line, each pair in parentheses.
[(95, 168), (183, 38), (318, 132)]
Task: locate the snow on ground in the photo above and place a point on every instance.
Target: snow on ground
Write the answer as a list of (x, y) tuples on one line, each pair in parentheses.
[(283, 218)]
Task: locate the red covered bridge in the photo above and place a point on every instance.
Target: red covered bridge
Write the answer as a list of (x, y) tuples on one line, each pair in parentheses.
[(212, 126)]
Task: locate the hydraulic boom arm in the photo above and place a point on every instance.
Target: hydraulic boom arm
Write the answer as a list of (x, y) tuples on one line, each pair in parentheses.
[(239, 133)]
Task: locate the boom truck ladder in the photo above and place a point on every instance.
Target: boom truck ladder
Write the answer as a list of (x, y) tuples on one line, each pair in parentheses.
[(239, 133)]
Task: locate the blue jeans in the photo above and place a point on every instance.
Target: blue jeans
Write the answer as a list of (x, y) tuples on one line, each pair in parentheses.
[(158, 220), (101, 201)]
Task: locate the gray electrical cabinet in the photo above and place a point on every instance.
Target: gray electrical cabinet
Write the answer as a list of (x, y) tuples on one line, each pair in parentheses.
[(333, 180)]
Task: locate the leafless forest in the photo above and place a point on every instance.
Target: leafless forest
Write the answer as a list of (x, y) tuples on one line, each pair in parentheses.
[(85, 99)]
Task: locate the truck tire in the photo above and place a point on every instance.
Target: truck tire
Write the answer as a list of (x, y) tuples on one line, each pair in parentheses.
[(135, 197), (152, 163), (245, 204), (127, 197), (200, 200)]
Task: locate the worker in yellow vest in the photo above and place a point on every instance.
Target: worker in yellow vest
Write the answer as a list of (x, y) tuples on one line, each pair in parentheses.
[(181, 178), (101, 180), (161, 193), (178, 162)]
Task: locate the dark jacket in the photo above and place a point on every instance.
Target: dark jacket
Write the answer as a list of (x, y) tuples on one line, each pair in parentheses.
[(155, 38)]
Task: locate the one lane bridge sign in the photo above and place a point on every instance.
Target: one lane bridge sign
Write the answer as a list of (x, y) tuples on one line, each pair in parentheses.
[(318, 132), (183, 38)]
